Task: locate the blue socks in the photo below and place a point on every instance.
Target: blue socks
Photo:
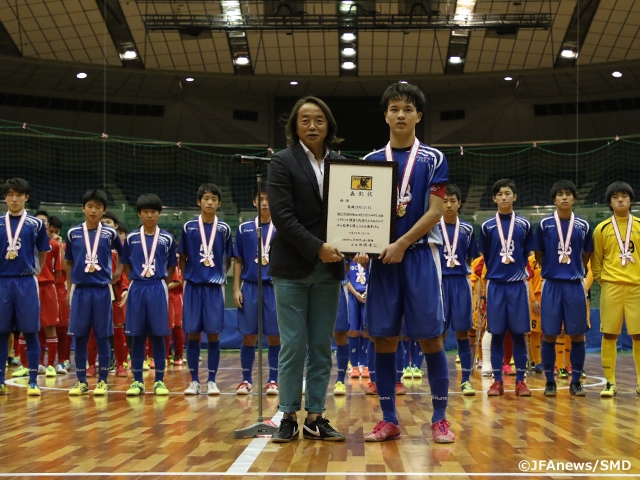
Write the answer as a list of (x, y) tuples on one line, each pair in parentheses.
[(399, 362), (81, 359), (104, 357), (577, 355), (386, 368), (193, 355), (33, 355), (342, 359), (354, 351), (371, 360), (274, 351), (497, 352), (464, 351), (4, 353), (363, 358), (137, 356), (214, 359), (247, 357), (159, 356), (438, 375), (520, 355), (549, 359)]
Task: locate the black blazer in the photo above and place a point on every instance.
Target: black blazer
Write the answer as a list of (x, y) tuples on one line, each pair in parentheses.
[(297, 213)]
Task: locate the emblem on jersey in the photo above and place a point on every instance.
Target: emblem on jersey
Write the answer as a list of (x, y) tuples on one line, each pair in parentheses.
[(361, 183)]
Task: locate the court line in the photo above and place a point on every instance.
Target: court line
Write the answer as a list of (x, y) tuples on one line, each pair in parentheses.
[(243, 463)]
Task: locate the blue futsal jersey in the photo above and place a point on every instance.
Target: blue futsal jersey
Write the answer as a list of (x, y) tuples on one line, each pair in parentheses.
[(547, 241), (246, 249), (467, 249), (164, 258), (191, 246), (430, 169), (490, 246), (76, 251), (32, 239), (358, 276)]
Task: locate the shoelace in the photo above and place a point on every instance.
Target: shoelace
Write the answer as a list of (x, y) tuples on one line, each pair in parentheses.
[(379, 426), (443, 425)]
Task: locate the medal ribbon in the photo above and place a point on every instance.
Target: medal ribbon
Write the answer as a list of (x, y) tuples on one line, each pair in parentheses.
[(91, 258), (360, 276), (625, 254), (403, 197), (565, 242), (265, 247), (12, 239), (451, 257), (207, 247), (504, 252), (148, 267)]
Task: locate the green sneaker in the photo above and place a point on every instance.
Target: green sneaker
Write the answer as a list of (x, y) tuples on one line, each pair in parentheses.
[(51, 371), (563, 373), (3, 389), (33, 390), (78, 389), (101, 389), (609, 390), (407, 372), (21, 372), (467, 389), (136, 389), (416, 372), (159, 388)]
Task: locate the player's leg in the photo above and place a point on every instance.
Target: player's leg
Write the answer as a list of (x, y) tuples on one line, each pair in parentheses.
[(461, 310), (92, 354), (355, 347), (496, 326), (551, 313), (7, 309), (27, 313), (508, 354), (340, 335), (248, 327), (560, 365), (4, 352), (632, 320), (137, 359), (156, 300), (575, 325), (372, 388), (612, 311), (486, 354), (519, 324), (193, 325), (213, 323), (136, 329), (402, 368), (102, 316)]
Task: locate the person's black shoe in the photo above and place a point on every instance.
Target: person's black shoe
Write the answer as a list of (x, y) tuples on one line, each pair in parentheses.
[(575, 388), (320, 429), (288, 431), (550, 389)]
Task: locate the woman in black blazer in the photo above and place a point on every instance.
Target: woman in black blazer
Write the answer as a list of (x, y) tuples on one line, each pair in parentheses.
[(306, 270)]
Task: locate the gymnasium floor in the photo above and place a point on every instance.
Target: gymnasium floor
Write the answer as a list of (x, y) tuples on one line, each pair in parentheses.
[(178, 437)]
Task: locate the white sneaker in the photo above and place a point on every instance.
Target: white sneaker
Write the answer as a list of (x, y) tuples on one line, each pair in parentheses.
[(193, 389), (41, 370), (212, 388), (272, 388), (304, 385), (243, 389), (60, 370)]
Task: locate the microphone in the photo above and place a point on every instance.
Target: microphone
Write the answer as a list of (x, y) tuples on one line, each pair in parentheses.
[(237, 158)]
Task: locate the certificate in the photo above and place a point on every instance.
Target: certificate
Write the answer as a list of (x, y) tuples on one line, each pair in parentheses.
[(360, 205)]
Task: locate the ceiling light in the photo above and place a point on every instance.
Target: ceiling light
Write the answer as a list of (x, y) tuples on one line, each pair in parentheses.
[(242, 60), (189, 79), (129, 55), (349, 52), (348, 65), (616, 74), (508, 79), (81, 75), (348, 37), (403, 81), (455, 59), (293, 82), (345, 6), (567, 53)]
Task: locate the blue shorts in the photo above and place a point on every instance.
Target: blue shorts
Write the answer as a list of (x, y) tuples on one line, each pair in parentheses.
[(147, 309), (564, 300), (248, 314), (356, 314), (411, 288), (19, 304), (508, 307), (91, 308), (456, 291), (342, 320), (203, 309)]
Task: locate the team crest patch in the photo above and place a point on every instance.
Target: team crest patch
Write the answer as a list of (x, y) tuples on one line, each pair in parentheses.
[(361, 183)]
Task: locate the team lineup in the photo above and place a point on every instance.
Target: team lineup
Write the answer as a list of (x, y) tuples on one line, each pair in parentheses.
[(509, 290)]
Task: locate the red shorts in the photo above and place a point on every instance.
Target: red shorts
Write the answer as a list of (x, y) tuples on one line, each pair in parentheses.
[(49, 310), (175, 309), (119, 313), (63, 306)]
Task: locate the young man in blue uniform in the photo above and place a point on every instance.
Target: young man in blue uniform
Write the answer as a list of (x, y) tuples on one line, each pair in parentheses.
[(563, 244), (245, 295), (149, 259), (21, 236), (406, 278), (458, 250), (505, 241), (89, 267), (205, 257)]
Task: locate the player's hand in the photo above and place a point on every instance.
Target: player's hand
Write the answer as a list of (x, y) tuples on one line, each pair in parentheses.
[(69, 298), (124, 297), (56, 238), (329, 254), (237, 299), (394, 253), (361, 258), (535, 308), (361, 298)]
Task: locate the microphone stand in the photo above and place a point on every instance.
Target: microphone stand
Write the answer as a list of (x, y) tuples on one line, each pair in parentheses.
[(260, 428)]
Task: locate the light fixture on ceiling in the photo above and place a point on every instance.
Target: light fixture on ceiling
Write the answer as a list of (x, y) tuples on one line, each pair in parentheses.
[(508, 79), (616, 74), (348, 65), (242, 60), (403, 81), (129, 55), (348, 52), (81, 75), (348, 37), (293, 82), (189, 79), (568, 53), (455, 59), (345, 6)]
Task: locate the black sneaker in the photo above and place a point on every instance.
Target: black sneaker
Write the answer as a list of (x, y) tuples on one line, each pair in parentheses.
[(321, 430), (575, 388), (288, 431), (550, 389)]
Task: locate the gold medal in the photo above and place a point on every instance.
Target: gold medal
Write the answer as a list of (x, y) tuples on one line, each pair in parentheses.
[(147, 274), (507, 261), (402, 210), (207, 263), (265, 262), (565, 259), (92, 269), (12, 255)]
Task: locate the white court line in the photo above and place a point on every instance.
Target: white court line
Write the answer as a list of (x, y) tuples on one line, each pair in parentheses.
[(254, 449), (320, 474)]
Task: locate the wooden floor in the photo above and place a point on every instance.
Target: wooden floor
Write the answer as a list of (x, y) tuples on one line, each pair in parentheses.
[(178, 436)]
